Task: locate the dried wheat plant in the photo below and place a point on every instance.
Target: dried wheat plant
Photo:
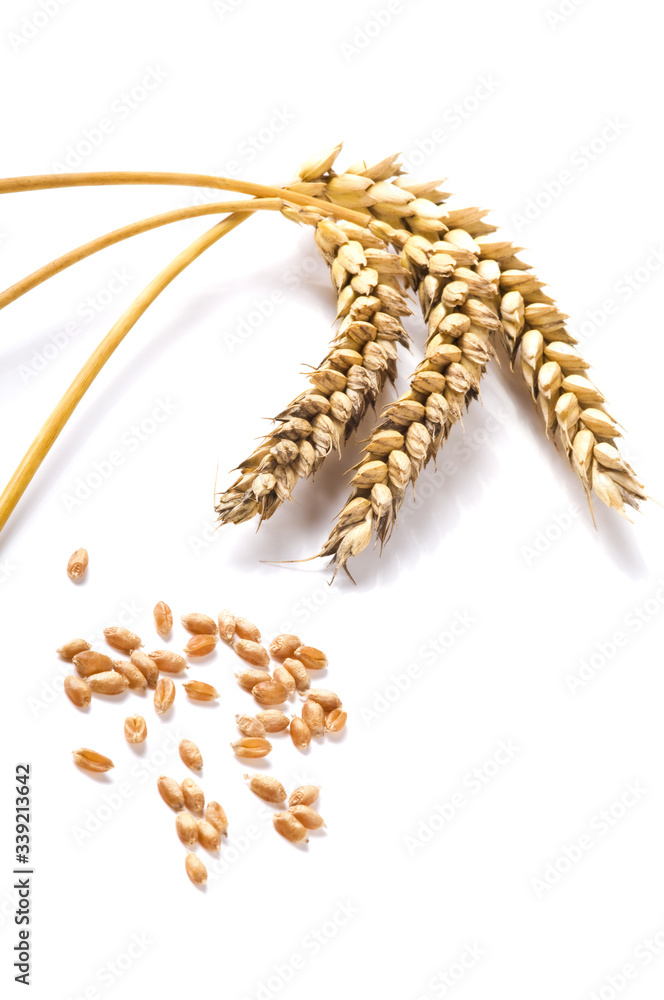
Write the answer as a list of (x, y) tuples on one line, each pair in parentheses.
[(381, 234)]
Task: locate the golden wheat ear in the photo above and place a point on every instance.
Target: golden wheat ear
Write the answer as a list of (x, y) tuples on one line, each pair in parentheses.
[(362, 358), (534, 332)]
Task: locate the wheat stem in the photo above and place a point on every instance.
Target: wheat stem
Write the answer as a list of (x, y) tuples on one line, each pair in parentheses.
[(48, 434), (134, 229), (39, 182)]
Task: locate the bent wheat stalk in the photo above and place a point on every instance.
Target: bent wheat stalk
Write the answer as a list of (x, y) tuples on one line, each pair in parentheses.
[(40, 182), (362, 357), (133, 229)]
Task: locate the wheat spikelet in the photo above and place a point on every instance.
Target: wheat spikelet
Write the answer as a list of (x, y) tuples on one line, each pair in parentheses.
[(362, 357)]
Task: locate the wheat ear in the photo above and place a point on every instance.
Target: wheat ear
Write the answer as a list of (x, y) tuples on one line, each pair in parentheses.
[(362, 357), (413, 428), (534, 331)]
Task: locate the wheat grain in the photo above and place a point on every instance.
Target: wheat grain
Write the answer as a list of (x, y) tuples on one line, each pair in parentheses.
[(266, 787), (186, 828), (164, 695), (200, 691), (78, 691), (304, 795), (300, 733), (313, 715), (199, 624), (77, 565), (163, 619), (108, 682), (208, 836), (192, 795), (122, 639), (135, 729), (308, 817), (273, 720), (289, 827), (90, 760), (201, 645), (250, 746), (170, 792), (335, 720), (250, 726), (216, 815), (190, 755), (195, 869), (69, 650), (283, 646), (146, 665), (135, 678)]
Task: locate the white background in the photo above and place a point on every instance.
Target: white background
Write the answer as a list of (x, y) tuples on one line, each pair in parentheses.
[(502, 539)]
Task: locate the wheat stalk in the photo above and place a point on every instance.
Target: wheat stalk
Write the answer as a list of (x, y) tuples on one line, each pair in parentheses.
[(362, 357), (54, 424)]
